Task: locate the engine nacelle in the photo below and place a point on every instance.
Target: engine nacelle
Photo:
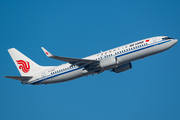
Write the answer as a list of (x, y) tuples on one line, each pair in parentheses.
[(122, 68), (108, 62)]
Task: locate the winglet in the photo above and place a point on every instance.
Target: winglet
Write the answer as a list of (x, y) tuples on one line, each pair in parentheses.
[(46, 52)]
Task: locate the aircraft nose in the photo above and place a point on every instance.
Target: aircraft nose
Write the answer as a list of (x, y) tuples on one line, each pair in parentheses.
[(175, 41)]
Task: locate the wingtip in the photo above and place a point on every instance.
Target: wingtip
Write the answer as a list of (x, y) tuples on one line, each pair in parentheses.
[(12, 49), (46, 52)]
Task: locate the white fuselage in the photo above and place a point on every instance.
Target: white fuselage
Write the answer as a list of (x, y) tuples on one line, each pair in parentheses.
[(123, 54)]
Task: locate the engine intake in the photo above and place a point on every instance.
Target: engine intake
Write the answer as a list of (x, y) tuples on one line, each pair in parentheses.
[(122, 68)]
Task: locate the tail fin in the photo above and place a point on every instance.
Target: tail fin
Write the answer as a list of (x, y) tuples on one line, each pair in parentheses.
[(26, 66)]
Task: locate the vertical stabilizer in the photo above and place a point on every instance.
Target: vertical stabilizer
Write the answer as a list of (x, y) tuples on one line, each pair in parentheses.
[(25, 65)]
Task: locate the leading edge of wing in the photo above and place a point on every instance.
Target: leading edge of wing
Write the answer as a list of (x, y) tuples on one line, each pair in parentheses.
[(70, 60)]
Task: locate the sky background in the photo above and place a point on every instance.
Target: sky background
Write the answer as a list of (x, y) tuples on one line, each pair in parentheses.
[(75, 28)]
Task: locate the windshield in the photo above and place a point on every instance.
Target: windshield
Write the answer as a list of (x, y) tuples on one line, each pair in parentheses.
[(167, 38)]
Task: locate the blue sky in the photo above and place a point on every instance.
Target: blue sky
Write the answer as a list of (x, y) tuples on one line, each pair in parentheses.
[(150, 90)]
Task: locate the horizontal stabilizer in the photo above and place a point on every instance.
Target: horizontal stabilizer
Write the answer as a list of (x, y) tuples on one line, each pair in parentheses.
[(20, 78)]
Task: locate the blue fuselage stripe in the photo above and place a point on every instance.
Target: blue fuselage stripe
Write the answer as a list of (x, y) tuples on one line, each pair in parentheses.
[(53, 76)]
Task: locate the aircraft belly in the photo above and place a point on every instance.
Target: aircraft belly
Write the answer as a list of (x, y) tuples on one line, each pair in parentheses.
[(157, 48), (131, 57), (162, 47)]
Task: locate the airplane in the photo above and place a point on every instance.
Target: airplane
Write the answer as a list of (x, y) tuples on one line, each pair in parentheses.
[(117, 60)]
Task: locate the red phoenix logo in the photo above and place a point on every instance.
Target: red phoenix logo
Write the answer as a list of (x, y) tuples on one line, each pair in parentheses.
[(47, 53), (24, 65)]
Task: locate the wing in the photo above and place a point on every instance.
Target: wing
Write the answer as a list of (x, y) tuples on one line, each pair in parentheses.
[(74, 61)]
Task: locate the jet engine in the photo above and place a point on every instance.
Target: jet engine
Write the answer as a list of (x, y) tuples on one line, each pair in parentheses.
[(122, 68)]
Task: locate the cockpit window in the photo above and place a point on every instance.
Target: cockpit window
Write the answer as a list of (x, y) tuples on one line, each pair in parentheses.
[(167, 38)]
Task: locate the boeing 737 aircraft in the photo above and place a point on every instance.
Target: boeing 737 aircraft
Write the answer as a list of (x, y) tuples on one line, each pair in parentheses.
[(117, 60)]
